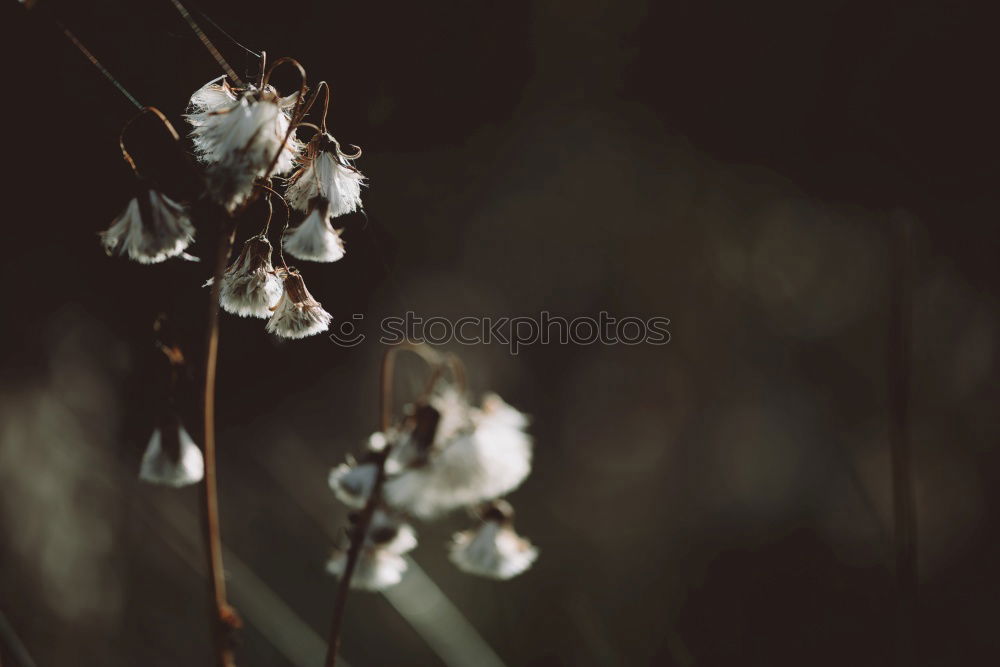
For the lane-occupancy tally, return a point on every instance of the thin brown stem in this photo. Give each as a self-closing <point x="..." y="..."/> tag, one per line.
<point x="222" y="617"/>
<point x="230" y="72"/>
<point x="450" y="363"/>
<point x="142" y="112"/>
<point x="359" y="530"/>
<point x="323" y="87"/>
<point x="270" y="209"/>
<point x="96" y="63"/>
<point x="297" y="113"/>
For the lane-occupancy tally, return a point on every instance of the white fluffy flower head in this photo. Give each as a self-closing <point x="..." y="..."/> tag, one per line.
<point x="376" y="569"/>
<point x="487" y="455"/>
<point x="297" y="314"/>
<point x="352" y="482"/>
<point x="151" y="229"/>
<point x="315" y="240"/>
<point x="380" y="561"/>
<point x="172" y="458"/>
<point x="326" y="172"/>
<point x="493" y="549"/>
<point x="250" y="286"/>
<point x="239" y="136"/>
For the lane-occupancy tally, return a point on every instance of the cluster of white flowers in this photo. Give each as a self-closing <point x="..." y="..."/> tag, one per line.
<point x="242" y="137"/>
<point x="447" y="455"/>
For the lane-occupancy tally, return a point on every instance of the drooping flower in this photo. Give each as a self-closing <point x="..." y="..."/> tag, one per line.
<point x="239" y="136"/>
<point x="327" y="173"/>
<point x="483" y="455"/>
<point x="151" y="229"/>
<point x="376" y="569"/>
<point x="493" y="549"/>
<point x="172" y="458"/>
<point x="250" y="286"/>
<point x="297" y="314"/>
<point x="391" y="533"/>
<point x="315" y="240"/>
<point x="352" y="482"/>
<point x="380" y="561"/>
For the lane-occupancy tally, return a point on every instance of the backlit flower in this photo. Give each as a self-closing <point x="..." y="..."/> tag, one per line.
<point x="493" y="549"/>
<point x="297" y="314"/>
<point x="326" y="172"/>
<point x="380" y="560"/>
<point x="239" y="136"/>
<point x="315" y="240"/>
<point x="151" y="229"/>
<point x="249" y="286"/>
<point x="487" y="455"/>
<point x="172" y="458"/>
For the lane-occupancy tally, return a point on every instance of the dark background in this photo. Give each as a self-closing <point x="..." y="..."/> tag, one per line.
<point x="720" y="500"/>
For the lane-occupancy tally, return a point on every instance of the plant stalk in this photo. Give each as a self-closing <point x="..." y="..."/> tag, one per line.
<point x="223" y="618"/>
<point x="359" y="531"/>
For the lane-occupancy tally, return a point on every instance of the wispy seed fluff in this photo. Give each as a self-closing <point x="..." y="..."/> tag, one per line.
<point x="172" y="458"/>
<point x="238" y="135"/>
<point x="352" y="482"/>
<point x="483" y="455"/>
<point x="493" y="549"/>
<point x="380" y="561"/>
<point x="297" y="314"/>
<point x="151" y="229"/>
<point x="249" y="286"/>
<point x="326" y="173"/>
<point x="315" y="240"/>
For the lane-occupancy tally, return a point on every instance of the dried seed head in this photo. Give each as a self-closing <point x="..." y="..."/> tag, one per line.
<point x="484" y="456"/>
<point x="298" y="314"/>
<point x="380" y="562"/>
<point x="492" y="550"/>
<point x="326" y="172"/>
<point x="353" y="482"/>
<point x="172" y="458"/>
<point x="238" y="137"/>
<point x="250" y="286"/>
<point x="151" y="229"/>
<point x="376" y="569"/>
<point x="315" y="240"/>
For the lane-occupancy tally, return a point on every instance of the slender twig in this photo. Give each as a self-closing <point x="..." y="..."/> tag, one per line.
<point x="359" y="531"/>
<point x="142" y="112"/>
<point x="903" y="502"/>
<point x="96" y="63"/>
<point x="297" y="113"/>
<point x="230" y="72"/>
<point x="223" y="617"/>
